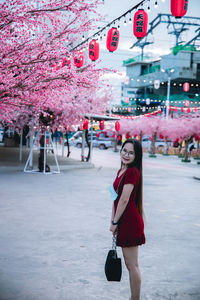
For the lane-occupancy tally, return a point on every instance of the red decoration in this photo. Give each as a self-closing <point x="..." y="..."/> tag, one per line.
<point x="170" y="108"/>
<point x="119" y="137"/>
<point x="196" y="137"/>
<point x="195" y="109"/>
<point x="93" y="50"/>
<point x="188" y="110"/>
<point x="55" y="67"/>
<point x="182" y="109"/>
<point x="175" y="108"/>
<point x="117" y="126"/>
<point x="140" y="23"/>
<point x="101" y="125"/>
<point x="78" y="59"/>
<point x="187" y="103"/>
<point x="154" y="113"/>
<point x="112" y="39"/>
<point x="81" y="127"/>
<point x="161" y="136"/>
<point x="127" y="136"/>
<point x="159" y="111"/>
<point x="66" y="62"/>
<point x="186" y="87"/>
<point x="179" y="8"/>
<point x="86" y="125"/>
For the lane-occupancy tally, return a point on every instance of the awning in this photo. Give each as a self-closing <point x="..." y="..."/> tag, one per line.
<point x="100" y="117"/>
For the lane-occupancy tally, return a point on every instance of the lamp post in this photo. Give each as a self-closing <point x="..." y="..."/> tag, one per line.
<point x="168" y="72"/>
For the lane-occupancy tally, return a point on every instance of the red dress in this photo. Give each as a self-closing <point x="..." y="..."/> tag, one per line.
<point x="131" y="225"/>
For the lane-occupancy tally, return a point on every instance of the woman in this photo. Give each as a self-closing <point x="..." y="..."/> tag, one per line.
<point x="127" y="212"/>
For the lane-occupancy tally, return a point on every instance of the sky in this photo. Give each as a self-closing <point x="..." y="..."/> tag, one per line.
<point x="162" y="41"/>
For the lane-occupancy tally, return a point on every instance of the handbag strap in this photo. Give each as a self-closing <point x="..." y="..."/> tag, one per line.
<point x="114" y="246"/>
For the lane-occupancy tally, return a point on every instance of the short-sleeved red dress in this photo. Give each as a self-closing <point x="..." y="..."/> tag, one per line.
<point x="131" y="225"/>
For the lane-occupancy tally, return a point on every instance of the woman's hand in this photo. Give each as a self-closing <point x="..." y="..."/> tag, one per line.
<point x="113" y="229"/>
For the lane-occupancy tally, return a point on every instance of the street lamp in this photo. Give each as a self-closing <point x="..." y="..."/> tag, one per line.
<point x="168" y="72"/>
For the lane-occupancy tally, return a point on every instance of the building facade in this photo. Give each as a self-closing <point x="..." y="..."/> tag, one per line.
<point x="146" y="85"/>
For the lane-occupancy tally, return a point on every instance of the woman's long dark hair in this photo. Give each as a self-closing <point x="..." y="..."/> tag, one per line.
<point x="138" y="164"/>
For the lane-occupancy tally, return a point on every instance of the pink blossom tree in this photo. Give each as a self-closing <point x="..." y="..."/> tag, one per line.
<point x="182" y="128"/>
<point x="35" y="74"/>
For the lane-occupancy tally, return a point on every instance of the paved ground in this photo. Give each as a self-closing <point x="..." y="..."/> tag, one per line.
<point x="54" y="231"/>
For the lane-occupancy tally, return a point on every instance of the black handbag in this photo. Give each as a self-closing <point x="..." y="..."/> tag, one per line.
<point x="113" y="265"/>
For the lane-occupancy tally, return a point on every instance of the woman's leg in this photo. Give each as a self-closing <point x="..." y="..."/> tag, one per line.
<point x="131" y="260"/>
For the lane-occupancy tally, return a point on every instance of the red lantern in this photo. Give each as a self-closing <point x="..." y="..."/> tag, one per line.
<point x="55" y="67"/>
<point x="188" y="110"/>
<point x="179" y="8"/>
<point x="182" y="109"/>
<point x="112" y="39"/>
<point x="78" y="59"/>
<point x="117" y="126"/>
<point x="186" y="87"/>
<point x="93" y="50"/>
<point x="66" y="62"/>
<point x="101" y="125"/>
<point x="86" y="125"/>
<point x="195" y="109"/>
<point x="140" y="23"/>
<point x="119" y="137"/>
<point x="154" y="113"/>
<point x="175" y="108"/>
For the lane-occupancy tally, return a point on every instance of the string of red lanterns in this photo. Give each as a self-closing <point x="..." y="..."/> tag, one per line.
<point x="140" y="25"/>
<point x="174" y="108"/>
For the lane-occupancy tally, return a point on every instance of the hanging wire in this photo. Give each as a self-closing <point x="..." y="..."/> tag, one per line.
<point x="111" y="23"/>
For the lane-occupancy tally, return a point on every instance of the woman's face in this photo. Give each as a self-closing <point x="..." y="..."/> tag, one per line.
<point x="127" y="154"/>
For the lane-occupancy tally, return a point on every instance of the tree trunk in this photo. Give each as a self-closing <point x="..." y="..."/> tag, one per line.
<point x="167" y="146"/>
<point x="141" y="136"/>
<point x="153" y="147"/>
<point x="180" y="148"/>
<point x="198" y="156"/>
<point x="115" y="144"/>
<point x="88" y="143"/>
<point x="186" y="150"/>
<point x="68" y="147"/>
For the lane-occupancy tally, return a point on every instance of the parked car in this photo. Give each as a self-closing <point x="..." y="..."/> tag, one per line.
<point x="100" y="143"/>
<point x="77" y="137"/>
<point x="159" y="143"/>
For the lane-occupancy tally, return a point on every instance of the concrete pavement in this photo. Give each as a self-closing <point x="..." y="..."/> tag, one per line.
<point x="54" y="231"/>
